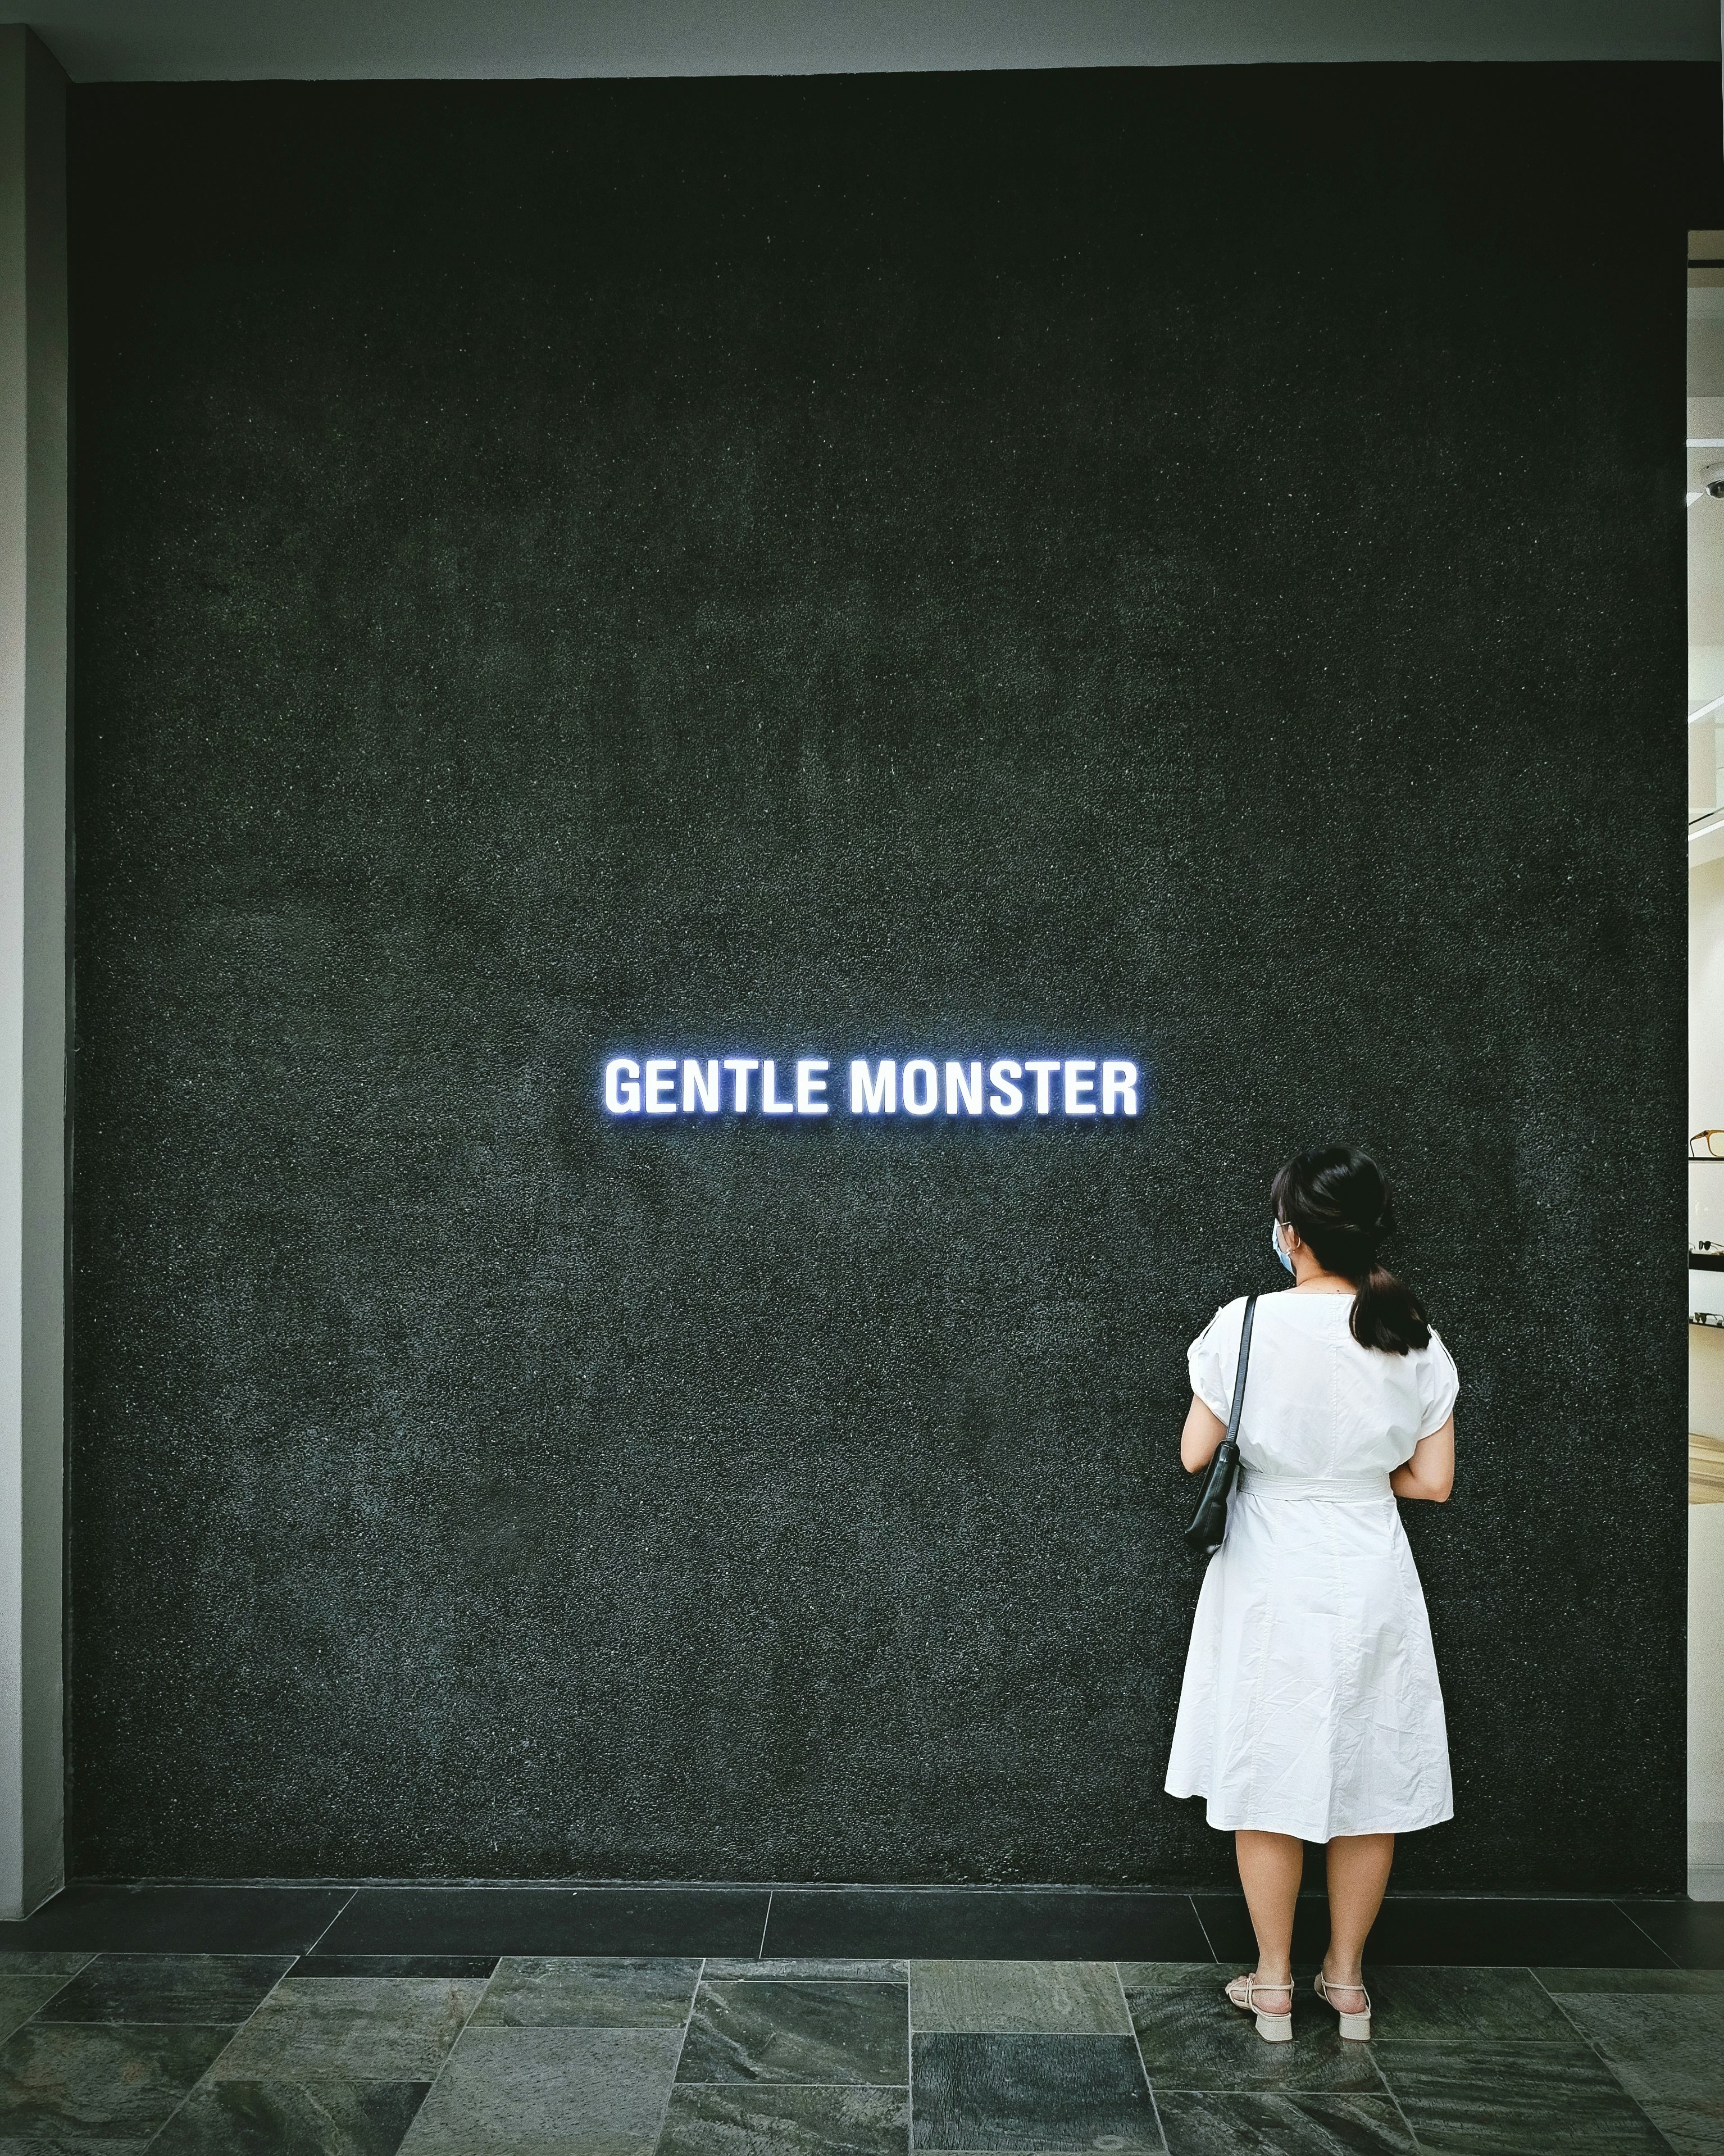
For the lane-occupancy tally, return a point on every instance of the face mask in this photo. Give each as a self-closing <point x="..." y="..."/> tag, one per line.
<point x="1274" y="1244"/>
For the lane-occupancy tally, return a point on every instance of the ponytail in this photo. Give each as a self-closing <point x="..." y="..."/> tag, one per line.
<point x="1387" y="1315"/>
<point x="1341" y="1206"/>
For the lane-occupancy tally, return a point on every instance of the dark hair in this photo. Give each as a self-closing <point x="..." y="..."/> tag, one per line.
<point x="1341" y="1206"/>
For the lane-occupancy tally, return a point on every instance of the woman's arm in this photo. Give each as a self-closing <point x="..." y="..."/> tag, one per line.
<point x="1430" y="1472"/>
<point x="1202" y="1432"/>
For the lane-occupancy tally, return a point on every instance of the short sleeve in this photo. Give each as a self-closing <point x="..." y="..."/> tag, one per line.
<point x="1439" y="1385"/>
<point x="1210" y="1380"/>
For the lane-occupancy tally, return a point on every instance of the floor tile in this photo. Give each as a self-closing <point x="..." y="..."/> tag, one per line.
<point x="1494" y="1933"/>
<point x="350" y="2028"/>
<point x="1192" y="2039"/>
<point x="814" y="2031"/>
<point x="1031" y="2093"/>
<point x="291" y="2119"/>
<point x="1480" y="2098"/>
<point x="588" y="1993"/>
<point x="550" y="1920"/>
<point x="180" y="1919"/>
<point x="739" y="1967"/>
<point x="774" y="2119"/>
<point x="1692" y="2129"/>
<point x="1675" y="1983"/>
<point x="208" y="1990"/>
<point x="1690" y="1933"/>
<point x="71" y="2087"/>
<point x="548" y="2092"/>
<point x="1197" y="2125"/>
<point x="1659" y="2048"/>
<point x="22" y="1997"/>
<point x="1004" y="1923"/>
<point x="1019" y="1997"/>
<point x="459" y="1965"/>
<point x="1431" y="2005"/>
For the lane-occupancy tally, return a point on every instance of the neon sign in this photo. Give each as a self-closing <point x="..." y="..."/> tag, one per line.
<point x="1005" y="1087"/>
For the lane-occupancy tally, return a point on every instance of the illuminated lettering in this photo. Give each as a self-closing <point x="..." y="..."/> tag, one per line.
<point x="1042" y="1072"/>
<point x="873" y="1096"/>
<point x="656" y="1085"/>
<point x="811" y="1086"/>
<point x="661" y="1072"/>
<point x="621" y="1086"/>
<point x="1007" y="1098"/>
<point x="921" y="1087"/>
<point x="739" y="1067"/>
<point x="963" y="1087"/>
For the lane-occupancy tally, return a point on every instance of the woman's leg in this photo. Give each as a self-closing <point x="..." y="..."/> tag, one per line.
<point x="1270" y="1866"/>
<point x="1358" y="1873"/>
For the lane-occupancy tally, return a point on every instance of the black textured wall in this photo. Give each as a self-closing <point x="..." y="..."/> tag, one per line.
<point x="1190" y="562"/>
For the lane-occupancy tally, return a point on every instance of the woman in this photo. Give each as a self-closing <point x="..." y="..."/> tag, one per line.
<point x="1310" y="1709"/>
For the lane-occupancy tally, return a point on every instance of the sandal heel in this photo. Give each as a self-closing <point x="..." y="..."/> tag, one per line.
<point x="1273" y="2028"/>
<point x="1355" y="2028"/>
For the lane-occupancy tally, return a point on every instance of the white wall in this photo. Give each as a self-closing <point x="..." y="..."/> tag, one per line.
<point x="34" y="563"/>
<point x="1706" y="1392"/>
<point x="1705" y="1713"/>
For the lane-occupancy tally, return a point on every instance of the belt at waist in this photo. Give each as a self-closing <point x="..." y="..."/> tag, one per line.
<point x="1338" y="1489"/>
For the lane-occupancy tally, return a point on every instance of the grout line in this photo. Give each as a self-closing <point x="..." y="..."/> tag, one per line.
<point x="688" y="2016"/>
<point x="909" y="2055"/>
<point x="1645" y="1934"/>
<point x="682" y="2042"/>
<point x="1053" y="2036"/>
<point x="1192" y="1900"/>
<point x="681" y="2046"/>
<point x="1391" y="2092"/>
<point x="231" y="2027"/>
<point x="1395" y="2106"/>
<point x="759" y="1952"/>
<point x="1138" y="2047"/>
<point x="331" y="1924"/>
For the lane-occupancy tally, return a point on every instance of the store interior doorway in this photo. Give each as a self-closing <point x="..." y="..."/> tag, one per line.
<point x="1706" y="1065"/>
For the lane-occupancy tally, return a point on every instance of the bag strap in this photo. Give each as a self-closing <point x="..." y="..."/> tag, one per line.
<point x="1239" y="1375"/>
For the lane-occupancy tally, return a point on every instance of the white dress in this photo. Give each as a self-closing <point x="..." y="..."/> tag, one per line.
<point x="1311" y="1705"/>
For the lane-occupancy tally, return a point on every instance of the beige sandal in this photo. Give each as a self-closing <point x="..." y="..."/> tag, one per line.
<point x="1356" y="2028"/>
<point x="1273" y="2028"/>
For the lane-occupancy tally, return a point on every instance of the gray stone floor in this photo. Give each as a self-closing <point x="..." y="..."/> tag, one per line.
<point x="242" y="2054"/>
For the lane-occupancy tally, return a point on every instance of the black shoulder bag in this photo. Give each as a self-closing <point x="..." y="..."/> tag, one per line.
<point x="1209" y="1523"/>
